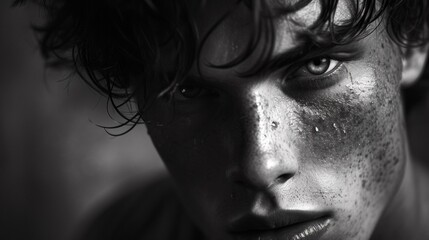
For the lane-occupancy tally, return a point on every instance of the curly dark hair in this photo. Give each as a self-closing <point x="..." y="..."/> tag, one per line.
<point x="110" y="42"/>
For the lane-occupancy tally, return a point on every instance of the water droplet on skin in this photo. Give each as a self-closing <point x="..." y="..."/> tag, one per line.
<point x="336" y="127"/>
<point x="274" y="125"/>
<point x="316" y="129"/>
<point x="351" y="78"/>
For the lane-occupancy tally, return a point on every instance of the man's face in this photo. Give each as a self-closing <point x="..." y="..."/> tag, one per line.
<point x="322" y="147"/>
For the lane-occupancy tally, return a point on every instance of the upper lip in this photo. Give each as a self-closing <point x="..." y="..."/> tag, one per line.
<point x="272" y="221"/>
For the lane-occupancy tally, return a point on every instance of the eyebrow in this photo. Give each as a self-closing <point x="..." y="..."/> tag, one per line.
<point x="281" y="8"/>
<point x="308" y="42"/>
<point x="308" y="47"/>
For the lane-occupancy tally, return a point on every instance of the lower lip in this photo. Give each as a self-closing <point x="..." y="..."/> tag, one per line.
<point x="312" y="230"/>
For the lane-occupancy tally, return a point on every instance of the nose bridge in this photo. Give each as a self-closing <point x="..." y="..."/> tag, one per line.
<point x="266" y="156"/>
<point x="259" y="122"/>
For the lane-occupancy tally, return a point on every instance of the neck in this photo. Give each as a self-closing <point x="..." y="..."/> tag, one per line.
<point x="405" y="216"/>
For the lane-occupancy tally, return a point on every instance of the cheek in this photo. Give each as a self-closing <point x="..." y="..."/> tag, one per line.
<point x="196" y="154"/>
<point x="194" y="149"/>
<point x="355" y="133"/>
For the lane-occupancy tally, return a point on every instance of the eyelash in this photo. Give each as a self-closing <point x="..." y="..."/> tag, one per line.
<point x="200" y="92"/>
<point x="302" y="79"/>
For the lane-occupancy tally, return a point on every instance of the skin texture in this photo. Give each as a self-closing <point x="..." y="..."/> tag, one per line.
<point x="260" y="144"/>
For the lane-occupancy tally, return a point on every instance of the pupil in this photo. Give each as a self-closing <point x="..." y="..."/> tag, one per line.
<point x="318" y="62"/>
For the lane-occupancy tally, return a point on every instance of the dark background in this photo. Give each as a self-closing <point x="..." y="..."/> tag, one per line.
<point x="56" y="167"/>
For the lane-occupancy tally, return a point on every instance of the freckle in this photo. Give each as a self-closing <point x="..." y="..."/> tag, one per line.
<point x="363" y="183"/>
<point x="382" y="46"/>
<point x="396" y="160"/>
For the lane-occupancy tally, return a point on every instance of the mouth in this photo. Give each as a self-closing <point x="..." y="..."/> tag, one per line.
<point x="282" y="224"/>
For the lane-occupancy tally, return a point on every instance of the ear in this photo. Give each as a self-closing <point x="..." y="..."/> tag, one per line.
<point x="413" y="64"/>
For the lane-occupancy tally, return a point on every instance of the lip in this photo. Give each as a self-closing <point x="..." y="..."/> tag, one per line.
<point x="281" y="224"/>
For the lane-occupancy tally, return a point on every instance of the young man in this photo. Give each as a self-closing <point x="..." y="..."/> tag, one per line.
<point x="277" y="119"/>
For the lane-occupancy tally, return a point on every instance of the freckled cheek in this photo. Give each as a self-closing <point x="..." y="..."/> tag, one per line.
<point x="357" y="144"/>
<point x="335" y="126"/>
<point x="348" y="126"/>
<point x="358" y="134"/>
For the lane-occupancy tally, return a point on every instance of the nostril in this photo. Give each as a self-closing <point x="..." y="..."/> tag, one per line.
<point x="283" y="178"/>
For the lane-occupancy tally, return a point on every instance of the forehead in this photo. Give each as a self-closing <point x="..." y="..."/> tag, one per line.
<point x="231" y="36"/>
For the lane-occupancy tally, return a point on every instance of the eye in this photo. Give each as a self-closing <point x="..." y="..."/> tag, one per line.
<point x="194" y="99"/>
<point x="189" y="91"/>
<point x="320" y="66"/>
<point x="318" y="73"/>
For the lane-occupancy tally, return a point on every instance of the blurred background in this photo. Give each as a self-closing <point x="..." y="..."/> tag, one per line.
<point x="56" y="166"/>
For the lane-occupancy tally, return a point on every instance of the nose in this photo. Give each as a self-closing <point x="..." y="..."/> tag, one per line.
<point x="266" y="154"/>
